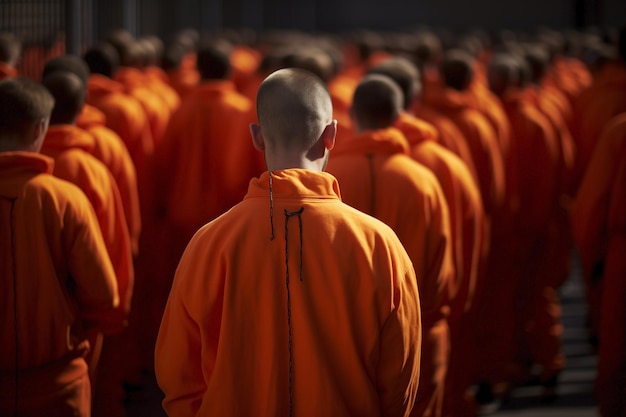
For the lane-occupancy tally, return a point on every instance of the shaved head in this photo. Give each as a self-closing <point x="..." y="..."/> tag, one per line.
<point x="294" y="108"/>
<point x="10" y="48"/>
<point x="404" y="73"/>
<point x="376" y="103"/>
<point x="69" y="96"/>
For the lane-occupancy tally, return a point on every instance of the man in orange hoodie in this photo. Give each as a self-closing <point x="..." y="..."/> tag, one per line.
<point x="311" y="309"/>
<point x="58" y="284"/>
<point x="69" y="146"/>
<point x="378" y="177"/>
<point x="611" y="377"/>
<point x="467" y="223"/>
<point x="107" y="147"/>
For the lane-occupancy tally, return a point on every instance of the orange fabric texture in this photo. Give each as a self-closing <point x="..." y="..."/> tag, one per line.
<point x="126" y="117"/>
<point x="481" y="139"/>
<point x="51" y="314"/>
<point x="112" y="152"/>
<point x="157" y="110"/>
<point x="591" y="207"/>
<point x="378" y="177"/>
<point x="69" y="146"/>
<point x="325" y="294"/>
<point x="611" y="377"/>
<point x="207" y="157"/>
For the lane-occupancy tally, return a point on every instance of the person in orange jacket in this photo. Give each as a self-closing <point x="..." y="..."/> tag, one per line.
<point x="58" y="284"/>
<point x="292" y="302"/>
<point x="379" y="177"/>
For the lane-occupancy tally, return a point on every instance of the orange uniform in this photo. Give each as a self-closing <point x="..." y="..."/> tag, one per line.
<point x="481" y="138"/>
<point x="156" y="109"/>
<point x="296" y="303"/>
<point x="69" y="147"/>
<point x="611" y="355"/>
<point x="591" y="208"/>
<point x="378" y="177"/>
<point x="207" y="159"/>
<point x="109" y="149"/>
<point x="448" y="134"/>
<point x="467" y="221"/>
<point x="126" y="117"/>
<point x="536" y="151"/>
<point x="594" y="110"/>
<point x="58" y="285"/>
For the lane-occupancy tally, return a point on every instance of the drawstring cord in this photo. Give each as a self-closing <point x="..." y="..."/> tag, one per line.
<point x="288" y="215"/>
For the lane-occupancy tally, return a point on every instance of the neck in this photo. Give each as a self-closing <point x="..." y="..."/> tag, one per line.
<point x="294" y="162"/>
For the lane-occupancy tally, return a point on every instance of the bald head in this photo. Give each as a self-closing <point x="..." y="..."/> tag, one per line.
<point x="25" y="107"/>
<point x="376" y="103"/>
<point x="293" y="107"/>
<point x="69" y="95"/>
<point x="405" y="74"/>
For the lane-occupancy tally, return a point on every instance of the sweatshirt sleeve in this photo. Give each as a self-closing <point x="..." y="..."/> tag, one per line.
<point x="400" y="346"/>
<point x="90" y="268"/>
<point x="178" y="350"/>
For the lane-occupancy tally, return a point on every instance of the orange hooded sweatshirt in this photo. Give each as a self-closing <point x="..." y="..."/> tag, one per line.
<point x="69" y="147"/>
<point x="378" y="177"/>
<point x="57" y="286"/>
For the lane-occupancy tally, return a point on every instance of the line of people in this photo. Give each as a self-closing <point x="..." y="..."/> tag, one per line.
<point x="489" y="161"/>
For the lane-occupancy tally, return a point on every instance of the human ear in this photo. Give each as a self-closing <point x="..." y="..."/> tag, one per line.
<point x="257" y="137"/>
<point x="330" y="134"/>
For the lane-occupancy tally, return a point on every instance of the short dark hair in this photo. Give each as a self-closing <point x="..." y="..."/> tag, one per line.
<point x="102" y="59"/>
<point x="69" y="94"/>
<point x="70" y="63"/>
<point x="213" y="59"/>
<point x="23" y="102"/>
<point x="377" y="102"/>
<point x="404" y="73"/>
<point x="457" y="70"/>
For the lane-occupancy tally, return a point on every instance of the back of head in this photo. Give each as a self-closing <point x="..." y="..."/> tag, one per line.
<point x="405" y="74"/>
<point x="67" y="63"/>
<point x="427" y="49"/>
<point x="457" y="69"/>
<point x="376" y="103"/>
<point x="10" y="48"/>
<point x="312" y="59"/>
<point x="23" y="104"/>
<point x="538" y="60"/>
<point x="172" y="56"/>
<point x="102" y="59"/>
<point x="503" y="73"/>
<point x="129" y="51"/>
<point x="293" y="108"/>
<point x="213" y="59"/>
<point x="69" y="96"/>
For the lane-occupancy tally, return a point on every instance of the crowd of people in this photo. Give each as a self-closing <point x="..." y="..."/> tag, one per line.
<point x="287" y="223"/>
